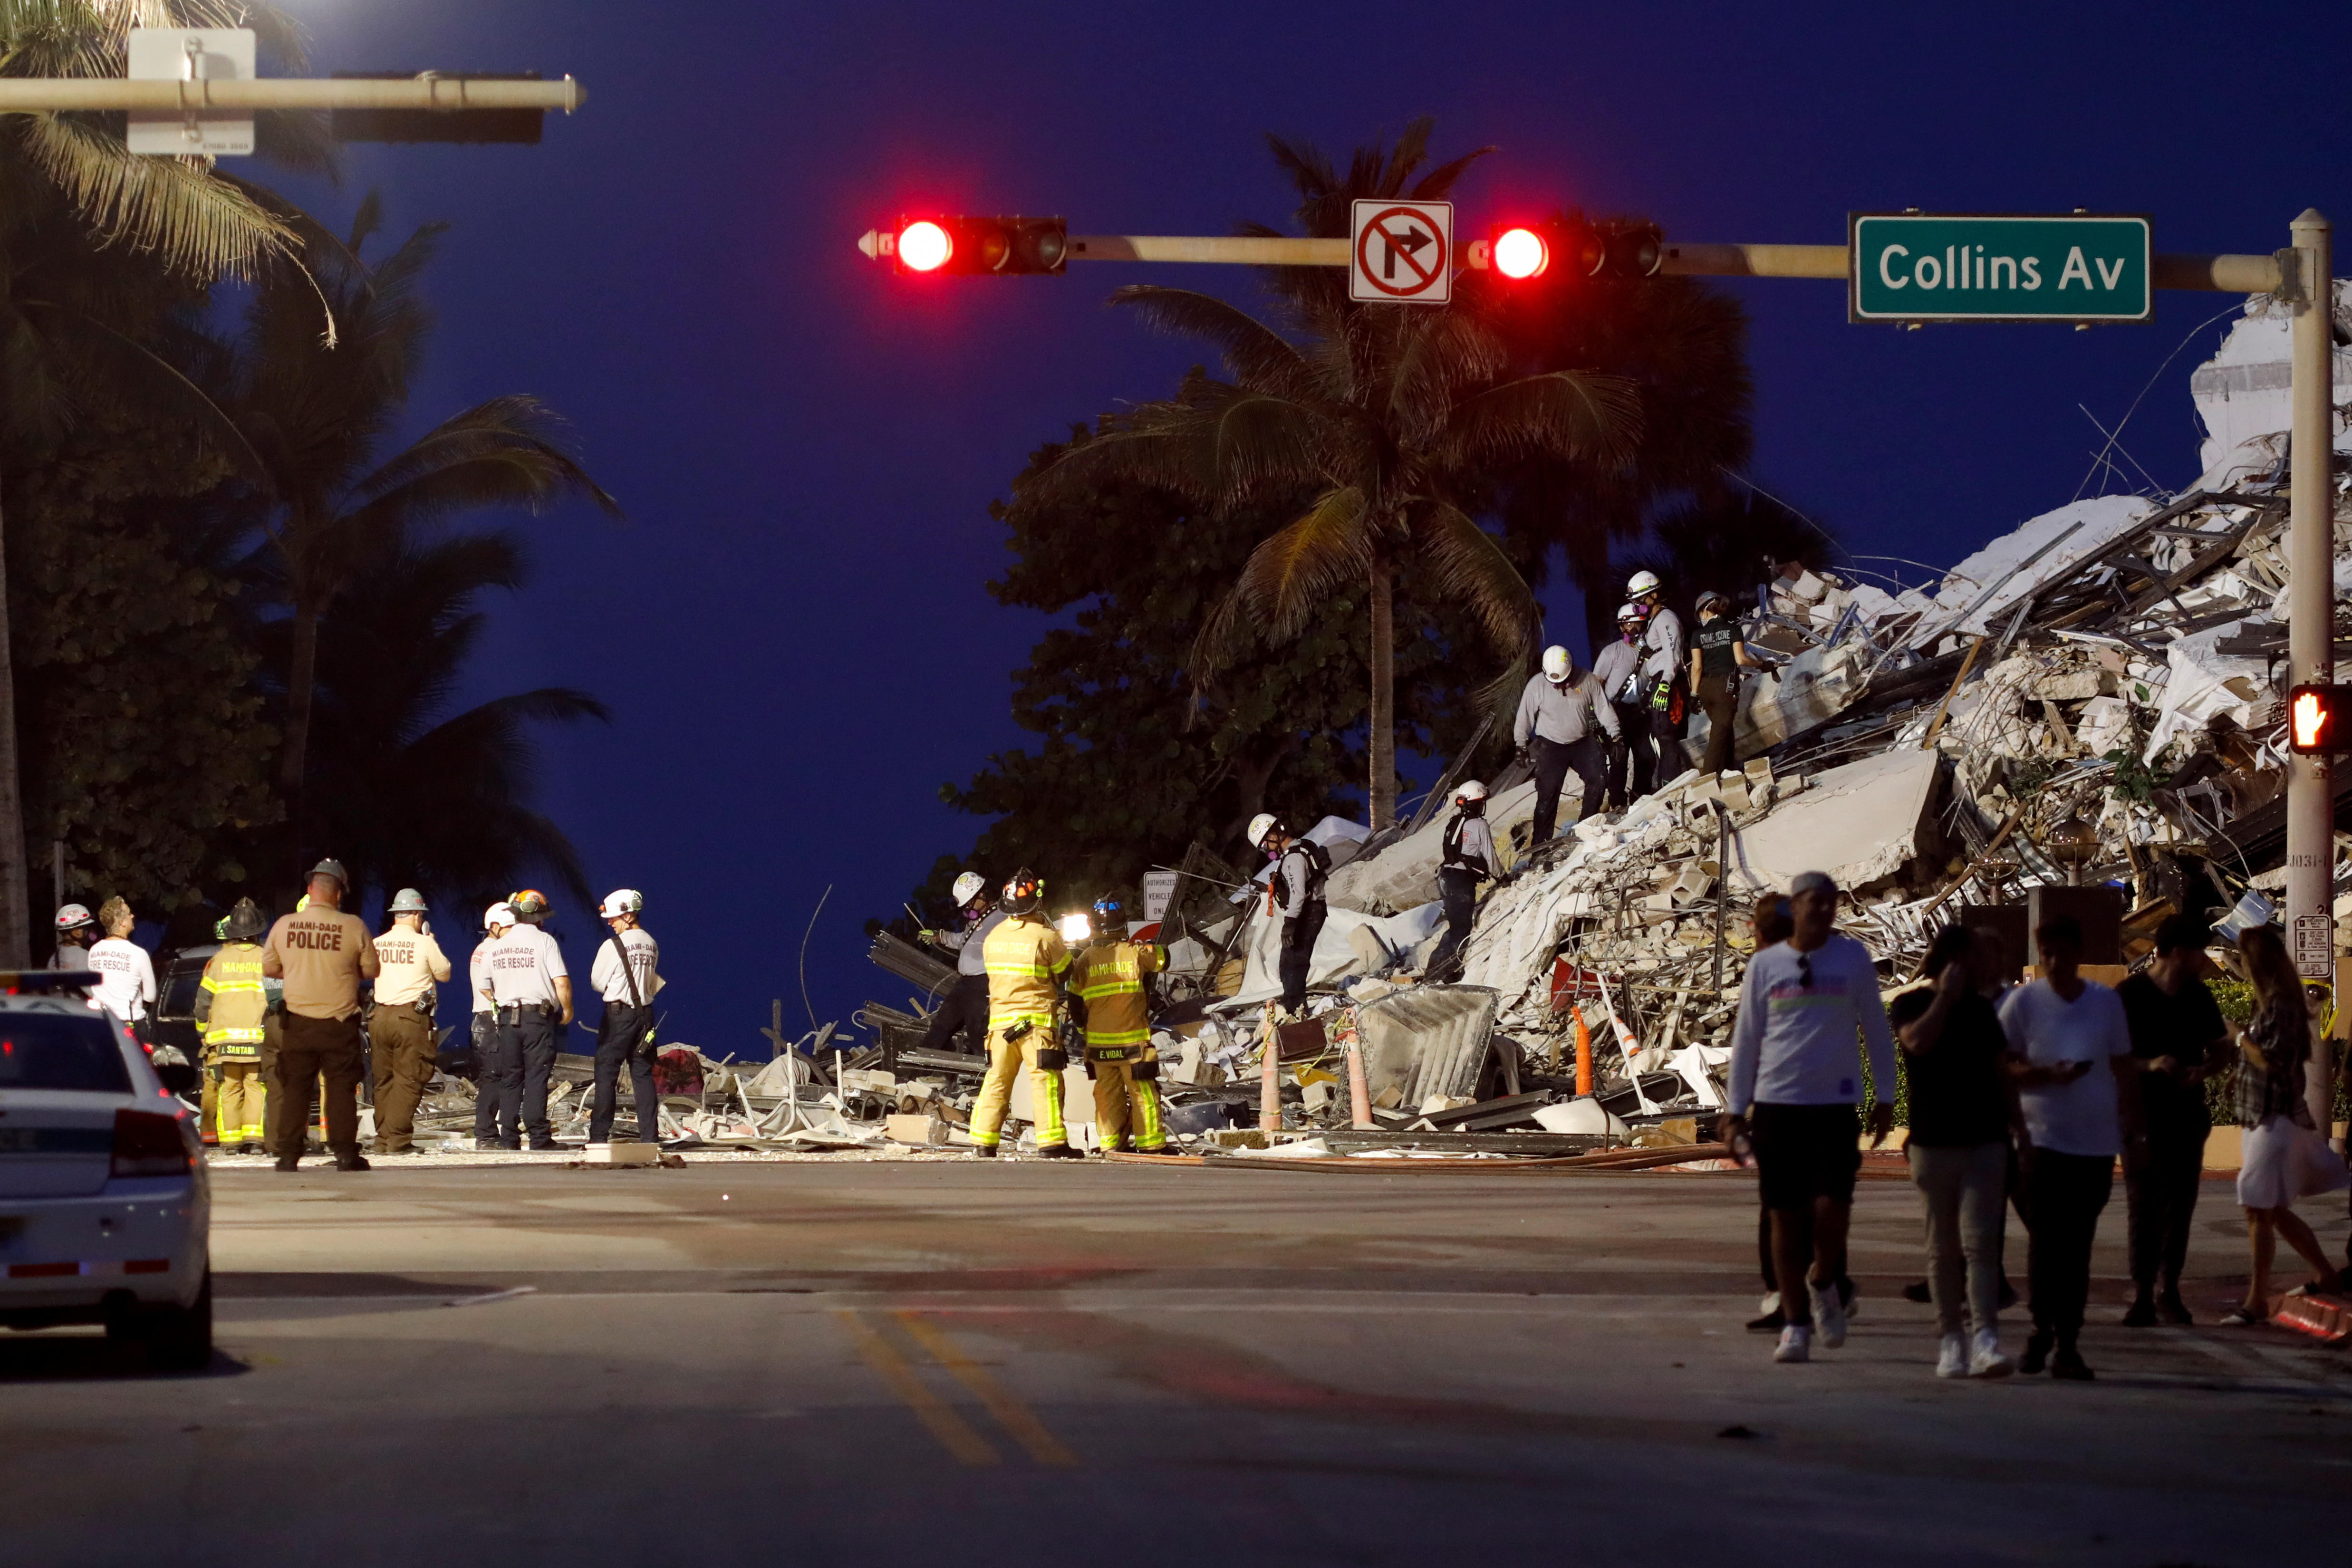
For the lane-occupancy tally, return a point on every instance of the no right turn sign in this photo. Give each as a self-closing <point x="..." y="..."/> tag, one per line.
<point x="1403" y="254"/>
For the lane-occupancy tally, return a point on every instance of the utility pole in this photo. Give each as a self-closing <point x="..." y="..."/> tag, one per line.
<point x="2308" y="284"/>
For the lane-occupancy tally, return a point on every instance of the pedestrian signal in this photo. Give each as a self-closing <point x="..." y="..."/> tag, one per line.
<point x="2319" y="720"/>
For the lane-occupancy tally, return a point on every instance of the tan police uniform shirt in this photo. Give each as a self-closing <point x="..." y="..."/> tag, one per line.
<point x="323" y="954"/>
<point x="411" y="961"/>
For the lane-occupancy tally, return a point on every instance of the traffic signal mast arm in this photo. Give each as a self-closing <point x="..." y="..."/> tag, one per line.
<point x="430" y="90"/>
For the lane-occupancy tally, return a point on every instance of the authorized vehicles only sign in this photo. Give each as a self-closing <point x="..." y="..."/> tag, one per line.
<point x="1914" y="266"/>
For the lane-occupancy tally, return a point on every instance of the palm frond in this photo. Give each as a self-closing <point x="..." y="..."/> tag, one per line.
<point x="1258" y="357"/>
<point x="505" y="452"/>
<point x="1439" y="182"/>
<point x="1293" y="571"/>
<point x="170" y="208"/>
<point x="1465" y="563"/>
<point x="111" y="354"/>
<point x="1562" y="413"/>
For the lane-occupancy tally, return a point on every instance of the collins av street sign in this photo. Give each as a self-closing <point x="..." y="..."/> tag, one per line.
<point x="1913" y="266"/>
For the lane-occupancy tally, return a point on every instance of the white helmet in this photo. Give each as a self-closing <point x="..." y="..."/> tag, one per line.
<point x="968" y="886"/>
<point x="1471" y="789"/>
<point x="498" y="914"/>
<point x="1628" y="611"/>
<point x="1260" y="825"/>
<point x="73" y="917"/>
<point x="1556" y="664"/>
<point x="1642" y="582"/>
<point x="622" y="901"/>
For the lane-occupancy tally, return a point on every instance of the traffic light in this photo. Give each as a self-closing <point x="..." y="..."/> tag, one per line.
<point x="2319" y="720"/>
<point x="1573" y="247"/>
<point x="1005" y="246"/>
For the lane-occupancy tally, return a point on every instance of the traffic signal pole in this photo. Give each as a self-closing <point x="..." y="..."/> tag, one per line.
<point x="58" y="95"/>
<point x="2311" y="618"/>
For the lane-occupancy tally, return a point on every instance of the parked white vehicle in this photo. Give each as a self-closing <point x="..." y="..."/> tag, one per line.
<point x="105" y="1214"/>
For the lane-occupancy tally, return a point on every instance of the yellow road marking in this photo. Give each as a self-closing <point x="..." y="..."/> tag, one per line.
<point x="1011" y="1413"/>
<point x="955" y="1434"/>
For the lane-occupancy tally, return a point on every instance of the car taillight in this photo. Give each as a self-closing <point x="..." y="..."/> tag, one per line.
<point x="150" y="1144"/>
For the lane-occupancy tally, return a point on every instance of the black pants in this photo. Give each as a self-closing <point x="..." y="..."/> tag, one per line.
<point x="1718" y="698"/>
<point x="1297" y="955"/>
<point x="2066" y="1192"/>
<point x="535" y="1041"/>
<point x="1458" y="885"/>
<point x="962" y="1016"/>
<point x="308" y="1049"/>
<point x="2161" y="1196"/>
<point x="620" y="1040"/>
<point x="1632" y="759"/>
<point x="498" y="1090"/>
<point x="1666" y="734"/>
<point x="1554" y="760"/>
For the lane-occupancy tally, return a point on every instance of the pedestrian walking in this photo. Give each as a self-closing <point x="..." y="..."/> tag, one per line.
<point x="1957" y="1146"/>
<point x="126" y="975"/>
<point x="2179" y="1040"/>
<point x="2285" y="1157"/>
<point x="626" y="975"/>
<point x="1809" y="1010"/>
<point x="963" y="1012"/>
<point x="1295" y="893"/>
<point x="2066" y="1036"/>
<point x="532" y="991"/>
<point x="1557" y="714"/>
<point x="1717" y="655"/>
<point x="232" y="1010"/>
<point x="401" y="1030"/>
<point x="323" y="954"/>
<point x="1629" y="762"/>
<point x="1026" y="962"/>
<point x="1466" y="858"/>
<point x="76" y="932"/>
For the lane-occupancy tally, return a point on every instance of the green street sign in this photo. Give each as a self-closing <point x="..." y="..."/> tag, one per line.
<point x="1937" y="267"/>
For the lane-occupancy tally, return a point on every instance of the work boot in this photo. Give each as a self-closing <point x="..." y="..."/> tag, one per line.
<point x="983" y="1151"/>
<point x="288" y="1162"/>
<point x="2171" y="1309"/>
<point x="1161" y="1149"/>
<point x="353" y="1161"/>
<point x="1059" y="1152"/>
<point x="2069" y="1364"/>
<point x="2141" y="1314"/>
<point x="2037" y="1352"/>
<point x="486" y="1145"/>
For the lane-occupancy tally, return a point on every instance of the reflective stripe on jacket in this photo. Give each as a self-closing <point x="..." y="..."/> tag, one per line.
<point x="235" y="1001"/>
<point x="1109" y="976"/>
<point x="1026" y="957"/>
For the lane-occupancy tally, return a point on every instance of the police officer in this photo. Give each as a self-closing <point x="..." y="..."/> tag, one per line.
<point x="533" y="993"/>
<point x="626" y="973"/>
<point x="965" y="1009"/>
<point x="1296" y="893"/>
<point x="1663" y="652"/>
<point x="401" y="1029"/>
<point x="323" y="954"/>
<point x="498" y="1086"/>
<point x="1111" y="979"/>
<point x="1717" y="655"/>
<point x="1465" y="859"/>
<point x="1554" y="727"/>
<point x="1632" y="759"/>
<point x="1026" y="960"/>
<point x="76" y="931"/>
<point x="232" y="1010"/>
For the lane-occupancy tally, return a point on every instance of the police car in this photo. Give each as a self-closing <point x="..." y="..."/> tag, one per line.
<point x="105" y="1214"/>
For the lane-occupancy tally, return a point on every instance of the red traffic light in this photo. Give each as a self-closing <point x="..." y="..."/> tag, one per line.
<point x="1521" y="252"/>
<point x="924" y="246"/>
<point x="2319" y="720"/>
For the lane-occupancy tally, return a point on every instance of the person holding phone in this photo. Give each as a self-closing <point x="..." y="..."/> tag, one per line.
<point x="2066" y="1036"/>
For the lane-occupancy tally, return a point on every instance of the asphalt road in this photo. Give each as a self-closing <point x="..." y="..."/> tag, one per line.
<point x="939" y="1362"/>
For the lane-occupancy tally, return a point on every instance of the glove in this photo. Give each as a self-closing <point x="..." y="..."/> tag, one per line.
<point x="930" y="936"/>
<point x="1523" y="757"/>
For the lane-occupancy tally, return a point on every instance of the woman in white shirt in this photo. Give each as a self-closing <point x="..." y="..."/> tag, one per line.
<point x="2065" y="1034"/>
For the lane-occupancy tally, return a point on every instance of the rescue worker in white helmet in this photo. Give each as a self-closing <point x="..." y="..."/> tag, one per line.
<point x="1296" y="893"/>
<point x="533" y="993"/>
<point x="401" y="1032"/>
<point x="1026" y="961"/>
<point x="1111" y="982"/>
<point x="962" y="1020"/>
<point x="76" y="932"/>
<point x="1718" y="653"/>
<point x="232" y="1011"/>
<point x="498" y="1081"/>
<point x="1466" y="858"/>
<point x="1554" y="724"/>
<point x="627" y="974"/>
<point x="1631" y="759"/>
<point x="1662" y="656"/>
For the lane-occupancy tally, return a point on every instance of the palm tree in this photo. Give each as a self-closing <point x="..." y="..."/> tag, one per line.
<point x="1388" y="416"/>
<point x="58" y="353"/>
<point x="316" y="417"/>
<point x="410" y="794"/>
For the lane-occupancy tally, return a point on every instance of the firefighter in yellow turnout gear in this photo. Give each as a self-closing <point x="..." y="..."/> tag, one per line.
<point x="1108" y="978"/>
<point x="1026" y="959"/>
<point x="231" y="1005"/>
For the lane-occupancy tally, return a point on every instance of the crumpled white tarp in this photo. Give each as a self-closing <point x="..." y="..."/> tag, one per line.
<point x="2204" y="683"/>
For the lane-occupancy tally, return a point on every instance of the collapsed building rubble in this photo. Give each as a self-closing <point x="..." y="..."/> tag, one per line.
<point x="2092" y="699"/>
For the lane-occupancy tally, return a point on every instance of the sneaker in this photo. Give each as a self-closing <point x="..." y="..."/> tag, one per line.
<point x="1829" y="1313"/>
<point x="1985" y="1359"/>
<point x="1772" y="1322"/>
<point x="1952" y="1358"/>
<point x="1796" y="1344"/>
<point x="354" y="1161"/>
<point x="1849" y="1297"/>
<point x="1770" y="1303"/>
<point x="2037" y="1352"/>
<point x="2069" y="1364"/>
<point x="2140" y="1314"/>
<point x="2171" y="1309"/>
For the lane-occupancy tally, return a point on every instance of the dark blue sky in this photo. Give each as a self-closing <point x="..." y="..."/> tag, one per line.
<point x="793" y="632"/>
